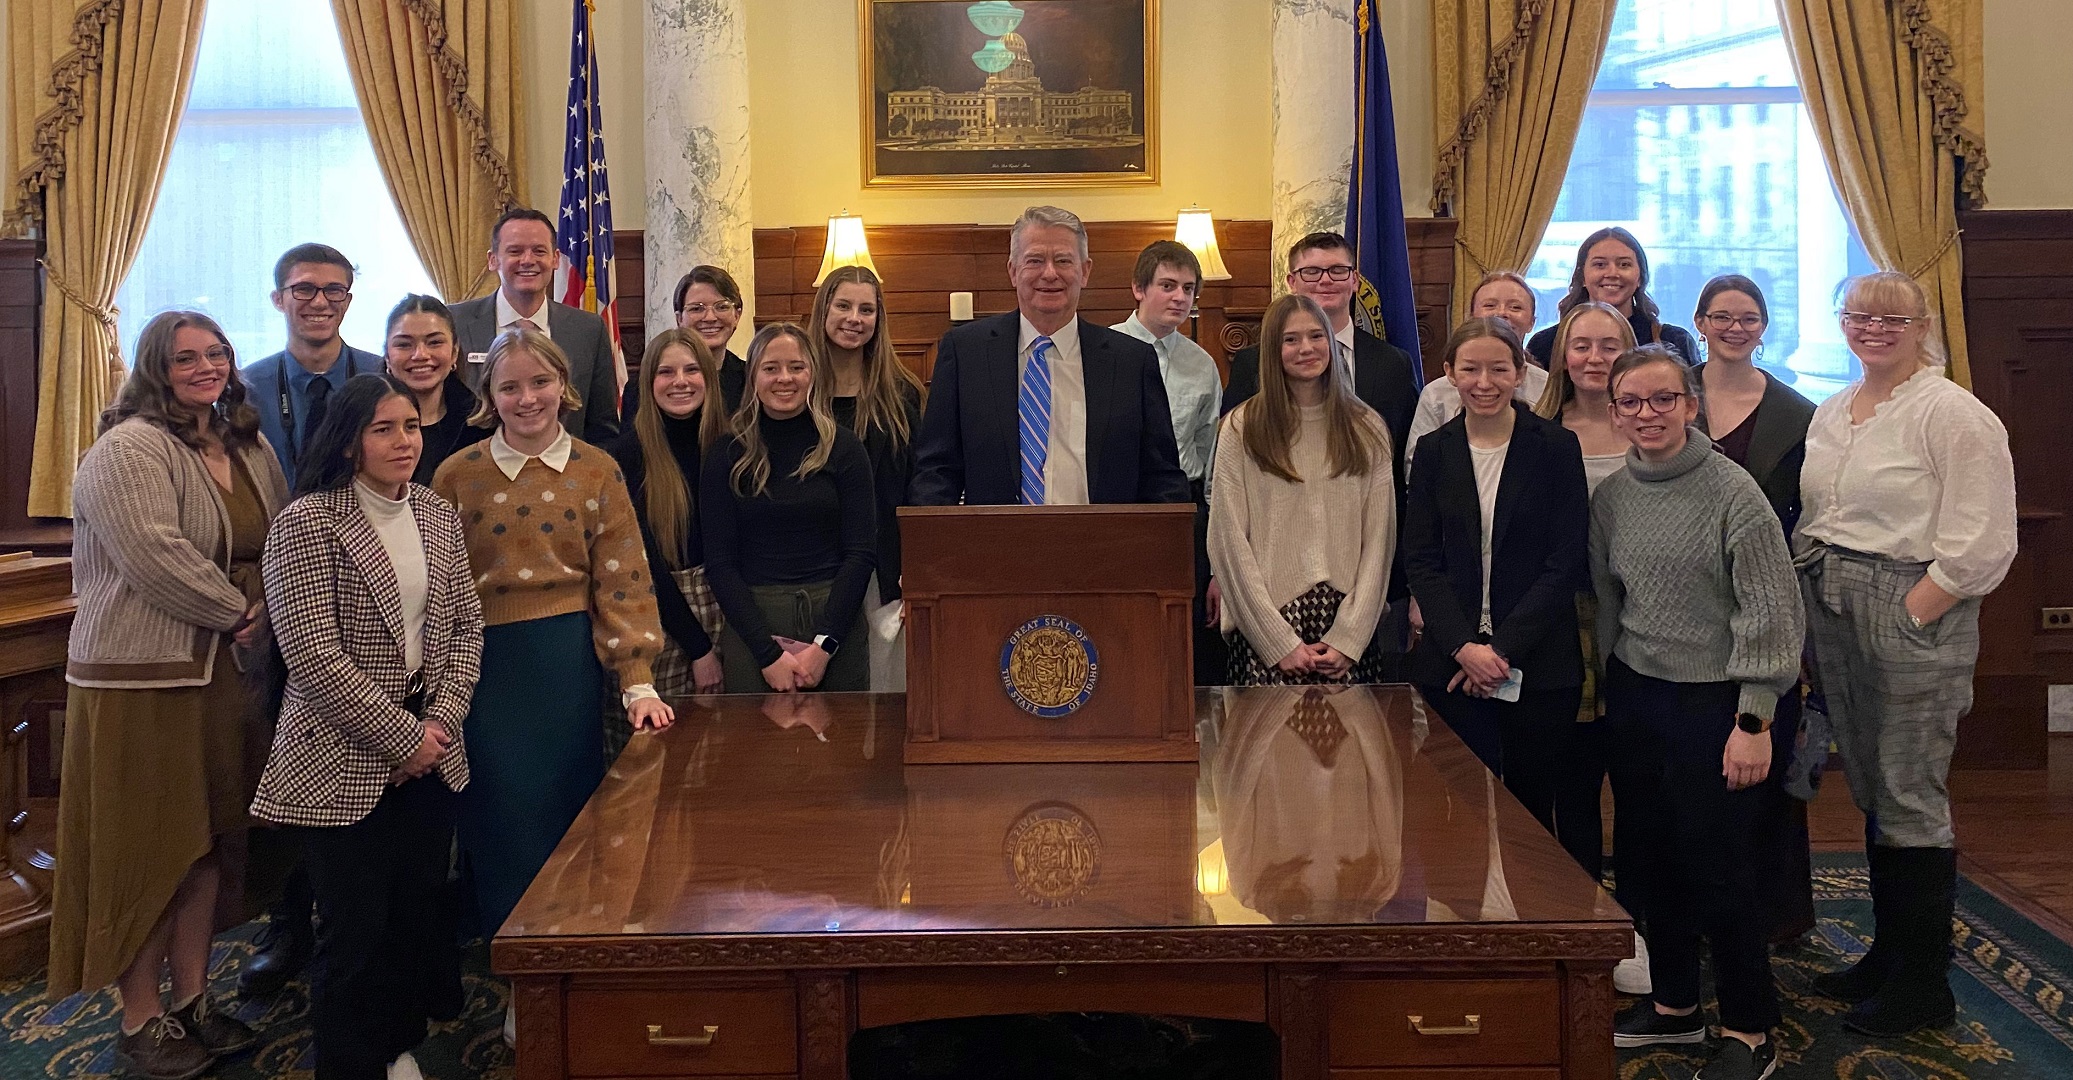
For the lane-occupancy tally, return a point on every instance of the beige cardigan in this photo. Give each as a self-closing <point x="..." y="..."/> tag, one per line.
<point x="150" y="559"/>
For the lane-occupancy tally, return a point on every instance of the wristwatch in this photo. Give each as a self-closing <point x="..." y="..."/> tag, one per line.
<point x="1752" y="723"/>
<point x="827" y="643"/>
<point x="1917" y="620"/>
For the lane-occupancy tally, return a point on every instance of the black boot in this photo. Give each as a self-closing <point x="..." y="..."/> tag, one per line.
<point x="1861" y="980"/>
<point x="1917" y="994"/>
<point x="286" y="941"/>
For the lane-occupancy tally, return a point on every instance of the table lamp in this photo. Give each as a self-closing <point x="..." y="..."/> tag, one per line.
<point x="846" y="246"/>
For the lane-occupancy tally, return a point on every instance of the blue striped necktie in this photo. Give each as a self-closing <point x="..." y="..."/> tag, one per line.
<point x="1033" y="412"/>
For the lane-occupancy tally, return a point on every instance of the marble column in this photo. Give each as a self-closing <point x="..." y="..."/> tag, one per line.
<point x="697" y="132"/>
<point x="1313" y="117"/>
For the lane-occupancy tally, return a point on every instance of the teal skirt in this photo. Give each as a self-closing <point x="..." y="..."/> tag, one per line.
<point x="535" y="754"/>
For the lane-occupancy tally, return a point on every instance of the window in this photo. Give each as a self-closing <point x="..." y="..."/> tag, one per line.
<point x="1692" y="89"/>
<point x="271" y="153"/>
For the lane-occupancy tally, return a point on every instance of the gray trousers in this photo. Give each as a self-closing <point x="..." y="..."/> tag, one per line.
<point x="1894" y="693"/>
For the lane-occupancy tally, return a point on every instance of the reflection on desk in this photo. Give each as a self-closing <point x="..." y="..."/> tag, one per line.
<point x="793" y="814"/>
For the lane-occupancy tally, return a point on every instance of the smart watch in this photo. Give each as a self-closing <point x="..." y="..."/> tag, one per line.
<point x="827" y="643"/>
<point x="1752" y="723"/>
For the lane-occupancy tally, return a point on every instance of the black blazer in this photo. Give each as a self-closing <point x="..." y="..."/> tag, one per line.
<point x="1778" y="446"/>
<point x="968" y="449"/>
<point x="1537" y="561"/>
<point x="1382" y="377"/>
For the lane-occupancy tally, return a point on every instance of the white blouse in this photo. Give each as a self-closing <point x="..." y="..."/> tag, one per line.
<point x="1927" y="478"/>
<point x="1440" y="402"/>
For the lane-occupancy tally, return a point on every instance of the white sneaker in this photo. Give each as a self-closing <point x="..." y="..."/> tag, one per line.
<point x="1630" y="976"/>
<point x="511" y="1025"/>
<point x="405" y="1068"/>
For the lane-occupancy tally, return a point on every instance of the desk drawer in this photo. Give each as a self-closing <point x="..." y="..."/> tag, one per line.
<point x="608" y="1032"/>
<point x="1518" y="1022"/>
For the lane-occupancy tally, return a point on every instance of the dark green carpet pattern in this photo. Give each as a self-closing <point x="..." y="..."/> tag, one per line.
<point x="2012" y="981"/>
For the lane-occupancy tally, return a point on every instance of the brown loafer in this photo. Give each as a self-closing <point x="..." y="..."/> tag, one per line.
<point x="163" y="1049"/>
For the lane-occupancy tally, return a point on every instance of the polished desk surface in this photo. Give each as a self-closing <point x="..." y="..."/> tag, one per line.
<point x="1320" y="822"/>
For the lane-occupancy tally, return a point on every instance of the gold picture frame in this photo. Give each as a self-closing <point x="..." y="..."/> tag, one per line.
<point x="984" y="110"/>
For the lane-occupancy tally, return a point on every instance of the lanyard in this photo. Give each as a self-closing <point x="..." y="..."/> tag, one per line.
<point x="287" y="409"/>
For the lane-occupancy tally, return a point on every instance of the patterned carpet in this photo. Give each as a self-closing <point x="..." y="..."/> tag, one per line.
<point x="2014" y="1022"/>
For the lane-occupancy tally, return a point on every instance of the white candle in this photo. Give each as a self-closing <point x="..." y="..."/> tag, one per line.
<point x="960" y="307"/>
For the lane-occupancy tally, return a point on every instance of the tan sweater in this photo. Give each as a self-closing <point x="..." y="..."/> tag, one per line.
<point x="552" y="543"/>
<point x="1271" y="541"/>
<point x="149" y="559"/>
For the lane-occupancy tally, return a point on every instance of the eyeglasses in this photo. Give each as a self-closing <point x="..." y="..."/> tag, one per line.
<point x="307" y="291"/>
<point x="699" y="311"/>
<point x="219" y="354"/>
<point x="1721" y="320"/>
<point x="1340" y="272"/>
<point x="1659" y="403"/>
<point x="1858" y="320"/>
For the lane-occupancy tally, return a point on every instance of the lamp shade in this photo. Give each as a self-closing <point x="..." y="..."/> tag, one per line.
<point x="1197" y="232"/>
<point x="846" y="246"/>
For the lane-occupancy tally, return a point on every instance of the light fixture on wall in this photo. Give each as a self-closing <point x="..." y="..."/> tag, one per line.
<point x="1196" y="231"/>
<point x="846" y="246"/>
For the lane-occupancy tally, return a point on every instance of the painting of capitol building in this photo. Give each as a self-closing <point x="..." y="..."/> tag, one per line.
<point x="998" y="93"/>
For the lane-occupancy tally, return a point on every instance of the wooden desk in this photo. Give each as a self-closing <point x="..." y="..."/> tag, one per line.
<point x="36" y="606"/>
<point x="752" y="886"/>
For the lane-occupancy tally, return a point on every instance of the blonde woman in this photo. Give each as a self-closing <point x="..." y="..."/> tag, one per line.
<point x="1303" y="528"/>
<point x="790" y="530"/>
<point x="565" y="591"/>
<point x="1908" y="520"/>
<point x="873" y="395"/>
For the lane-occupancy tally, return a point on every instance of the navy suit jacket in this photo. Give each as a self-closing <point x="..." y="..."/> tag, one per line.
<point x="969" y="449"/>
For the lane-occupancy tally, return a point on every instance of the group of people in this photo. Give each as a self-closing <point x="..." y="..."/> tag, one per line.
<point x="435" y="589"/>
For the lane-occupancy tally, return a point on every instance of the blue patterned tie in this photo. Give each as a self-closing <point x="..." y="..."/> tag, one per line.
<point x="1033" y="410"/>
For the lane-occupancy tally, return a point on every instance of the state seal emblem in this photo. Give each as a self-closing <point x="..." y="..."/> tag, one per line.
<point x="1049" y="666"/>
<point x="1053" y="854"/>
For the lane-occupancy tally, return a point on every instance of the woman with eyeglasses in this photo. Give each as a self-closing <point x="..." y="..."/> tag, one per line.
<point x="421" y="354"/>
<point x="1909" y="520"/>
<point x="171" y="508"/>
<point x="708" y="303"/>
<point x="1761" y="424"/>
<point x="1612" y="268"/>
<point x="1700" y="625"/>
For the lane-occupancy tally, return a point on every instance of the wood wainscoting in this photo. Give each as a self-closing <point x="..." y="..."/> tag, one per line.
<point x="924" y="264"/>
<point x="2019" y="329"/>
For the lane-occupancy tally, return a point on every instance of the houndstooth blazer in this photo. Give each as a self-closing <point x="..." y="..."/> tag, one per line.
<point x="332" y="596"/>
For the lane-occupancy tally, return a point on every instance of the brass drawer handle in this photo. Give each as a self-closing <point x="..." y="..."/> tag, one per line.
<point x="696" y="1042"/>
<point x="1472" y="1024"/>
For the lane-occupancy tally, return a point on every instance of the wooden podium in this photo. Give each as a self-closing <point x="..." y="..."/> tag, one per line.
<point x="1049" y="633"/>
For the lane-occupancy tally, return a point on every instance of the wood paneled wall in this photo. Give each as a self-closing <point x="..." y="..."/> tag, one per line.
<point x="2019" y="330"/>
<point x="923" y="264"/>
<point x="21" y="309"/>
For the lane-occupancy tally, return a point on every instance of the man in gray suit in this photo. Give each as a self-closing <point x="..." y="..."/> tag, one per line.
<point x="523" y="256"/>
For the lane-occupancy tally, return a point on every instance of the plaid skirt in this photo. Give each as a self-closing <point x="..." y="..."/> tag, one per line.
<point x="672" y="667"/>
<point x="1311" y="615"/>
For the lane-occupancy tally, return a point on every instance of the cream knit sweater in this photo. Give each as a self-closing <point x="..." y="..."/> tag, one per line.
<point x="1271" y="541"/>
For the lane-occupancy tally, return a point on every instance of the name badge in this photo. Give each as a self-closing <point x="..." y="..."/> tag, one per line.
<point x="477" y="357"/>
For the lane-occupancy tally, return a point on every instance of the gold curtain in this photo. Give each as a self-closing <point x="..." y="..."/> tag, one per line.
<point x="439" y="87"/>
<point x="1510" y="83"/>
<point x="1892" y="88"/>
<point x="98" y="89"/>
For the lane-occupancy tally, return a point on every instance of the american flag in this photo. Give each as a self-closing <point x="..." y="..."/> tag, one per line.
<point x="584" y="278"/>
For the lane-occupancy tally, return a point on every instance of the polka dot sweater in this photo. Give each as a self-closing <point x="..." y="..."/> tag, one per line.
<point x="551" y="543"/>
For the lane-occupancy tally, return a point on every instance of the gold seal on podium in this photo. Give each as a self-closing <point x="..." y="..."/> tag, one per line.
<point x="1049" y="666"/>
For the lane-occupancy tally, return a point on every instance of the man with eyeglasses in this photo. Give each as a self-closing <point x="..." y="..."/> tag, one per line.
<point x="313" y="288"/>
<point x="523" y="256"/>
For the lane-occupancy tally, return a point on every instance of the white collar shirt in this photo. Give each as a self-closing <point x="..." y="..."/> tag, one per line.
<point x="508" y="316"/>
<point x="510" y="459"/>
<point x="1193" y="393"/>
<point x="1065" y="466"/>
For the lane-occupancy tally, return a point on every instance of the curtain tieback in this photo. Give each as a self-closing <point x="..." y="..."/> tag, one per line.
<point x="1470" y="251"/>
<point x="104" y="313"/>
<point x="1943" y="249"/>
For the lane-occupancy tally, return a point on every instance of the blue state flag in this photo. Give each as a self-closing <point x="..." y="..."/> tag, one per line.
<point x="1375" y="199"/>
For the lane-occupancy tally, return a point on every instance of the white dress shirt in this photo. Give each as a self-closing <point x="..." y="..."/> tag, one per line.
<point x="508" y="316"/>
<point x="1194" y="391"/>
<point x="1927" y="478"/>
<point x="1440" y="402"/>
<point x="1065" y="469"/>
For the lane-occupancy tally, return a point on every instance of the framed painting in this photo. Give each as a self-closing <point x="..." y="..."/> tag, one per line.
<point x="1029" y="93"/>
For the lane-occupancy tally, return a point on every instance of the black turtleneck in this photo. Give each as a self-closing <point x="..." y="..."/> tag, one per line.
<point x="798" y="532"/>
<point x="677" y="620"/>
<point x="891" y="468"/>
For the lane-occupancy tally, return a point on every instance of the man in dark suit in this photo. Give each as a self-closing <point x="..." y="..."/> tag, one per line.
<point x="523" y="256"/>
<point x="1040" y="406"/>
<point x="1320" y="266"/>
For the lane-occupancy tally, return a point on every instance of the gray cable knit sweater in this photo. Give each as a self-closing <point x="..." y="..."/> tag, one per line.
<point x="1694" y="580"/>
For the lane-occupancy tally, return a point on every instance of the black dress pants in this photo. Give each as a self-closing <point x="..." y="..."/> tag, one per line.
<point x="385" y="929"/>
<point x="1521" y="742"/>
<point x="1698" y="839"/>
